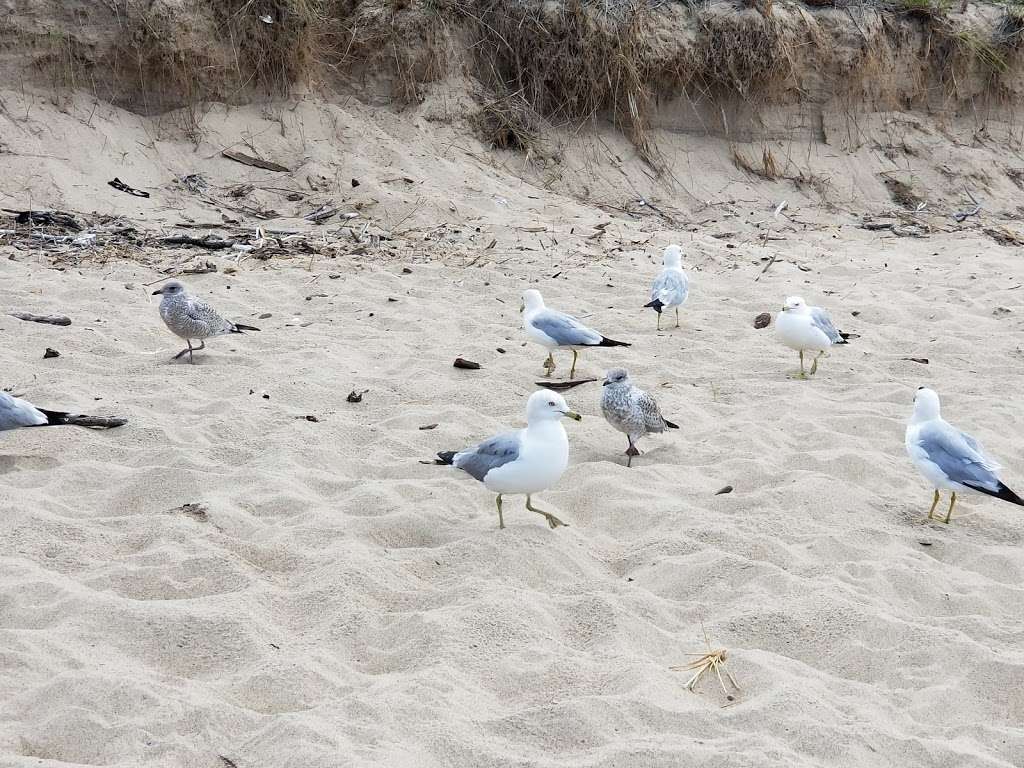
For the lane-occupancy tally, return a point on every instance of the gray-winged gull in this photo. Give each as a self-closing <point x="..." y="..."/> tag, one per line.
<point x="553" y="329"/>
<point x="951" y="460"/>
<point x="526" y="461"/>
<point x="671" y="286"/>
<point x="807" y="329"/>
<point x="16" y="413"/>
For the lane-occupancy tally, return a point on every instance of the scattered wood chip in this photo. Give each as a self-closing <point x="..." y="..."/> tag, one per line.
<point x="50" y="352"/>
<point x="200" y="269"/>
<point x="195" y="511"/>
<point x="49" y="319"/>
<point x="406" y="270"/>
<point x="356" y="397"/>
<point x="921" y="360"/>
<point x="469" y="365"/>
<point x="763" y="320"/>
<point x="726" y="489"/>
<point x="500" y="350"/>
<point x="558" y="386"/>
<point x="429" y="426"/>
<point x="255" y="162"/>
<point x="924" y="543"/>
<point x="312" y="418"/>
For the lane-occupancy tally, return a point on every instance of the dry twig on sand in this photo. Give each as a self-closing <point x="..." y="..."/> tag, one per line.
<point x="713" y="660"/>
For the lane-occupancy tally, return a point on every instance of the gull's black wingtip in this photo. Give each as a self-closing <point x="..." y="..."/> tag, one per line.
<point x="613" y="343"/>
<point x="445" y="457"/>
<point x="669" y="424"/>
<point x="656" y="305"/>
<point x="239" y="328"/>
<point x="1004" y="493"/>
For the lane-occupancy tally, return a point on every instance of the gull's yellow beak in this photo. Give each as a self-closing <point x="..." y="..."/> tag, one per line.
<point x="573" y="415"/>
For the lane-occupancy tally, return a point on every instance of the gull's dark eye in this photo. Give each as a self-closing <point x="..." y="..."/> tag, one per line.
<point x="551" y="403"/>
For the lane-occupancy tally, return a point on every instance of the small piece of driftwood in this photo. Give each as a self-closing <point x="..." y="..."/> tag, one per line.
<point x="255" y="162"/>
<point x="96" y="422"/>
<point x="559" y="386"/>
<point x="209" y="242"/>
<point x="48" y="319"/>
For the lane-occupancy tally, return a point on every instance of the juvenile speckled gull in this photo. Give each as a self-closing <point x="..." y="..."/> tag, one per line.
<point x="671" y="286"/>
<point x="526" y="461"/>
<point x="950" y="459"/>
<point x="16" y="413"/>
<point x="191" y="318"/>
<point x="630" y="410"/>
<point x="807" y="329"/>
<point x="553" y="329"/>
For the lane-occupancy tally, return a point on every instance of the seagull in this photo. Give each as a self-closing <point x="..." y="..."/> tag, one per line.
<point x="526" y="461"/>
<point x="952" y="460"/>
<point x="553" y="329"/>
<point x="806" y="329"/>
<point x="671" y="287"/>
<point x="630" y="410"/>
<point x="16" y="413"/>
<point x="191" y="318"/>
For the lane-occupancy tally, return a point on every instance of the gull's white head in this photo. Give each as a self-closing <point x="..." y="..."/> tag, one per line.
<point x="616" y="376"/>
<point x="673" y="256"/>
<point x="545" y="405"/>
<point x="926" y="405"/>
<point x="532" y="300"/>
<point x="794" y="304"/>
<point x="170" y="288"/>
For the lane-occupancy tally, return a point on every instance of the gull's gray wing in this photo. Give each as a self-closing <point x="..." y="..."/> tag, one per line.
<point x="16" y="413"/>
<point x="652" y="417"/>
<point x="490" y="454"/>
<point x="201" y="312"/>
<point x="959" y="456"/>
<point x="565" y="330"/>
<point x="823" y="323"/>
<point x="670" y="287"/>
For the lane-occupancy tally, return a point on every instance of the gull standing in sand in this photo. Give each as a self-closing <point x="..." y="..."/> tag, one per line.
<point x="553" y="329"/>
<point x="526" y="461"/>
<point x="630" y="410"/>
<point x="807" y="329"/>
<point x="16" y="413"/>
<point x="191" y="318"/>
<point x="672" y="286"/>
<point x="950" y="459"/>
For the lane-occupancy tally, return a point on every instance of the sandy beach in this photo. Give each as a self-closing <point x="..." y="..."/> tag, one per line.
<point x="332" y="600"/>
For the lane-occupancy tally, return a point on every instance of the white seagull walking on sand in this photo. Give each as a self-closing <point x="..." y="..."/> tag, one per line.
<point x="807" y="329"/>
<point x="951" y="460"/>
<point x="191" y="318"/>
<point x="553" y="329"/>
<point x="526" y="461"/>
<point x="16" y="413"/>
<point x="671" y="286"/>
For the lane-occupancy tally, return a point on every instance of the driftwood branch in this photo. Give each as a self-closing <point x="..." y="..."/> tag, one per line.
<point x="96" y="422"/>
<point x="49" y="319"/>
<point x="558" y="386"/>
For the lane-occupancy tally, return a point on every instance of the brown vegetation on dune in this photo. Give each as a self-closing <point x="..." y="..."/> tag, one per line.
<point x="536" y="61"/>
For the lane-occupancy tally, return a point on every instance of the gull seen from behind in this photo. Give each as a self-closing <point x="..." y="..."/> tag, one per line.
<point x="671" y="287"/>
